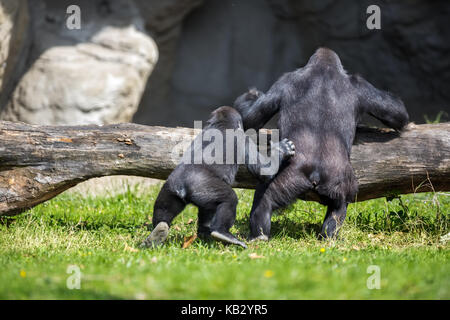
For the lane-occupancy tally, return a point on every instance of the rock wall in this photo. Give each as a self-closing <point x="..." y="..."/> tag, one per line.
<point x="164" y="21"/>
<point x="14" y="43"/>
<point x="96" y="74"/>
<point x="174" y="61"/>
<point x="227" y="45"/>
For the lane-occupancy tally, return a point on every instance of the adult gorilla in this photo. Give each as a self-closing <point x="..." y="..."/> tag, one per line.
<point x="320" y="106"/>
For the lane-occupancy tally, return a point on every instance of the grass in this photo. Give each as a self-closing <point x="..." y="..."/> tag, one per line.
<point x="100" y="236"/>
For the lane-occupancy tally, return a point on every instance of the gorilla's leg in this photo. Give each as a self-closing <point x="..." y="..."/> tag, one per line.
<point x="260" y="214"/>
<point x="336" y="212"/>
<point x="338" y="191"/>
<point x="224" y="219"/>
<point x="213" y="195"/>
<point x="167" y="207"/>
<point x="204" y="222"/>
<point x="284" y="189"/>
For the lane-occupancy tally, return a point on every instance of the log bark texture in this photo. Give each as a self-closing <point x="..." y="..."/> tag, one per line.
<point x="39" y="162"/>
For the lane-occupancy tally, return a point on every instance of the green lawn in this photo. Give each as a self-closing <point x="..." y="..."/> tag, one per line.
<point x="101" y="235"/>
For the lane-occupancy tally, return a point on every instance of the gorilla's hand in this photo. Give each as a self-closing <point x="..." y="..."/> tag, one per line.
<point x="246" y="100"/>
<point x="285" y="149"/>
<point x="253" y="94"/>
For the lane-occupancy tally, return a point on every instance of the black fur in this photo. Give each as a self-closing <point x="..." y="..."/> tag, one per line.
<point x="208" y="186"/>
<point x="320" y="106"/>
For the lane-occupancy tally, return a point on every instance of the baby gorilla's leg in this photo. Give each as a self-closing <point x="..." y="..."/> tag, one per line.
<point x="167" y="207"/>
<point x="217" y="203"/>
<point x="223" y="220"/>
<point x="204" y="223"/>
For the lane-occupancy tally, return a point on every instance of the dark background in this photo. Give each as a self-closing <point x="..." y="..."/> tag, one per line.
<point x="227" y="46"/>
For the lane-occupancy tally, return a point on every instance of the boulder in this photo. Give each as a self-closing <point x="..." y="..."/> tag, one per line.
<point x="14" y="43"/>
<point x="92" y="75"/>
<point x="226" y="46"/>
<point x="164" y="20"/>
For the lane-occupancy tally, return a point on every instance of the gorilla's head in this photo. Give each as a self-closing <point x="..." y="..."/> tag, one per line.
<point x="225" y="118"/>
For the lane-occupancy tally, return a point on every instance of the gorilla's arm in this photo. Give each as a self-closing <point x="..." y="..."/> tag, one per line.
<point x="383" y="106"/>
<point x="265" y="167"/>
<point x="257" y="109"/>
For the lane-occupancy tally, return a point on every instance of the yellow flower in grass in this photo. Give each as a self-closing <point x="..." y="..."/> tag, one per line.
<point x="322" y="250"/>
<point x="268" y="274"/>
<point x="22" y="273"/>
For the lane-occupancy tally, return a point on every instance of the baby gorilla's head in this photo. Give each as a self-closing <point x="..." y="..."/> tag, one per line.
<point x="225" y="118"/>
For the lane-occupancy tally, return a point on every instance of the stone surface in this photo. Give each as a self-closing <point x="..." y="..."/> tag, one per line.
<point x="14" y="42"/>
<point x="226" y="46"/>
<point x="164" y="20"/>
<point x="209" y="52"/>
<point x="161" y="16"/>
<point x="96" y="74"/>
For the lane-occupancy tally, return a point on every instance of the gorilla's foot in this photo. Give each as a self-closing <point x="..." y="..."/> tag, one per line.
<point x="204" y="232"/>
<point x="157" y="237"/>
<point x="227" y="238"/>
<point x="261" y="237"/>
<point x="204" y="235"/>
<point x="325" y="237"/>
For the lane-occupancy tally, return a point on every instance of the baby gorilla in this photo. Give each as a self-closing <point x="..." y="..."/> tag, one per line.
<point x="208" y="185"/>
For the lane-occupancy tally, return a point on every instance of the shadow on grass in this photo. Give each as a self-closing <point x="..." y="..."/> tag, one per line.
<point x="400" y="221"/>
<point x="296" y="226"/>
<point x="285" y="227"/>
<point x="295" y="229"/>
<point x="91" y="224"/>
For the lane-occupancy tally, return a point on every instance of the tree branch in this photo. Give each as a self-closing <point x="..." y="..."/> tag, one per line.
<point x="39" y="162"/>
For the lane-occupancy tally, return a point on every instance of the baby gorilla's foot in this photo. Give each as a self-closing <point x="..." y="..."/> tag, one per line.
<point x="227" y="238"/>
<point x="204" y="232"/>
<point x="157" y="237"/>
<point x="205" y="236"/>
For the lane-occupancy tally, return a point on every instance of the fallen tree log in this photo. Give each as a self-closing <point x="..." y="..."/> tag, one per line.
<point x="39" y="162"/>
